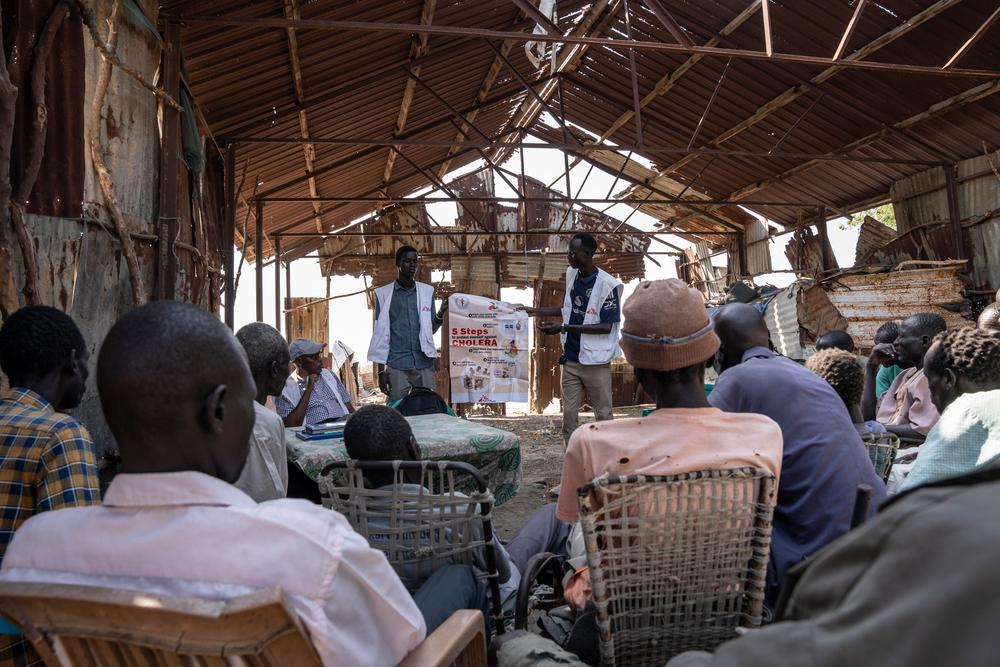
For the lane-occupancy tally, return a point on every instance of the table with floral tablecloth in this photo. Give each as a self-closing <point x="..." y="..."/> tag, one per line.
<point x="495" y="452"/>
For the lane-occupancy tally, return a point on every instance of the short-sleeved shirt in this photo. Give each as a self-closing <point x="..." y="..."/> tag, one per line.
<point x="328" y="401"/>
<point x="824" y="459"/>
<point x="884" y="378"/>
<point x="265" y="475"/>
<point x="405" y="353"/>
<point x="965" y="439"/>
<point x="907" y="402"/>
<point x="579" y="297"/>
<point x="47" y="461"/>
<point x="669" y="441"/>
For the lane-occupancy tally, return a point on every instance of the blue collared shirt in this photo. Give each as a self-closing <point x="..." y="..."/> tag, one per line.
<point x="823" y="462"/>
<point x="405" y="353"/>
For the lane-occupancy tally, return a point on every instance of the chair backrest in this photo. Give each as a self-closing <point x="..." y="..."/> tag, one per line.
<point x="421" y="401"/>
<point x="676" y="562"/>
<point x="81" y="626"/>
<point x="882" y="448"/>
<point x="423" y="520"/>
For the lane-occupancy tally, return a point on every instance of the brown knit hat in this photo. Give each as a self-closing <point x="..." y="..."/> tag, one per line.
<point x="667" y="327"/>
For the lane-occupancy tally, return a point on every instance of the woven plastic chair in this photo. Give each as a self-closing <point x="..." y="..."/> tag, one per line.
<point x="882" y="448"/>
<point x="677" y="563"/>
<point x="421" y="521"/>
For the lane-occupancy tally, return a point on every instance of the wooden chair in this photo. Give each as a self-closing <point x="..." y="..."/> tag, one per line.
<point x="882" y="448"/>
<point x="82" y="626"/>
<point x="678" y="562"/>
<point x="442" y="517"/>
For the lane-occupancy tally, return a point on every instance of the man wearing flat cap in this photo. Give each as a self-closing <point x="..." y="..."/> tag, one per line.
<point x="313" y="394"/>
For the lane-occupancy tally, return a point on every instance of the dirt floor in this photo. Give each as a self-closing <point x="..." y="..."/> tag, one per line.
<point x="541" y="462"/>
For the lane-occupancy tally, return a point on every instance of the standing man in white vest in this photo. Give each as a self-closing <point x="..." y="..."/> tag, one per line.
<point x="405" y="323"/>
<point x="591" y="317"/>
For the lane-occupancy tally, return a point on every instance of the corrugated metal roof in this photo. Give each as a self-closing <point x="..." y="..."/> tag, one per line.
<point x="354" y="81"/>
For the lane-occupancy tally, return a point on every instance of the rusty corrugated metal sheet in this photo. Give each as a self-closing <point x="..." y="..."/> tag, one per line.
<point x="867" y="301"/>
<point x="758" y="250"/>
<point x="872" y="236"/>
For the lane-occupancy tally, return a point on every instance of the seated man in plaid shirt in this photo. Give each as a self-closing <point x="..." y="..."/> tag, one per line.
<point x="46" y="458"/>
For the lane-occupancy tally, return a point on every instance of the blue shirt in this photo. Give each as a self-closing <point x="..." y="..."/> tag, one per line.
<point x="405" y="353"/>
<point x="579" y="297"/>
<point x="966" y="438"/>
<point x="824" y="459"/>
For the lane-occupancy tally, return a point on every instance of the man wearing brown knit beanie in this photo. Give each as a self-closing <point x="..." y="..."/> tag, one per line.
<point x="667" y="336"/>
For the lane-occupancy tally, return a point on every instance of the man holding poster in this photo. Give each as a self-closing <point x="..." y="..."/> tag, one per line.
<point x="591" y="316"/>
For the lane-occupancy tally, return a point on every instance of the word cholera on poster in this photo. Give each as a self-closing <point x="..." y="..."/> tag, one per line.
<point x="489" y="354"/>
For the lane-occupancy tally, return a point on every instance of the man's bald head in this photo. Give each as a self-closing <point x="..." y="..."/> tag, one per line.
<point x="176" y="391"/>
<point x="739" y="327"/>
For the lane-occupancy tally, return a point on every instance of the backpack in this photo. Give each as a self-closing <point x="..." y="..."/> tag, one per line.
<point x="421" y="401"/>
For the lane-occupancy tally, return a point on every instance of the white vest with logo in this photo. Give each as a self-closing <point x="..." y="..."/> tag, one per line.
<point x="595" y="349"/>
<point x="378" y="350"/>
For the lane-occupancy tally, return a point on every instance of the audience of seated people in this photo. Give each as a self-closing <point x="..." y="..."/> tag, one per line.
<point x="888" y="369"/>
<point x="314" y="394"/>
<point x="836" y="340"/>
<point x="842" y="370"/>
<point x="265" y="475"/>
<point x="668" y="338"/>
<point x="380" y="433"/>
<point x="906" y="408"/>
<point x="824" y="460"/>
<point x="171" y="522"/>
<point x="47" y="461"/>
<point x="963" y="374"/>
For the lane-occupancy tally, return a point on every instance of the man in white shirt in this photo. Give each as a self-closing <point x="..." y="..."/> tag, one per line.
<point x="315" y="394"/>
<point x="265" y="475"/>
<point x="178" y="397"/>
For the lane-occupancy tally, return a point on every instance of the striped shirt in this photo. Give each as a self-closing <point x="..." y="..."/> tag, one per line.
<point x="329" y="398"/>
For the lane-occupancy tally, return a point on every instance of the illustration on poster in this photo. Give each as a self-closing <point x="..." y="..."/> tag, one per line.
<point x="488" y="343"/>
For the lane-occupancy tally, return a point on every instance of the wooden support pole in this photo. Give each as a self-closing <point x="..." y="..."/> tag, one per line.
<point x="229" y="240"/>
<point x="958" y="237"/>
<point x="258" y="256"/>
<point x="170" y="153"/>
<point x="288" y="297"/>
<point x="824" y="239"/>
<point x="741" y="249"/>
<point x="276" y="242"/>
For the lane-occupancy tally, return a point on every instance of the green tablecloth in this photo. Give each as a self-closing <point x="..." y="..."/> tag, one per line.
<point x="496" y="453"/>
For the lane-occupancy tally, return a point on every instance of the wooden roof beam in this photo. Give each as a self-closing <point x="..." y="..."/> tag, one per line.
<point x="543" y="21"/>
<point x="419" y="46"/>
<point x="291" y="9"/>
<point x="849" y="30"/>
<point x="669" y="22"/>
<point x="795" y="92"/>
<point x="987" y="24"/>
<point x="946" y="106"/>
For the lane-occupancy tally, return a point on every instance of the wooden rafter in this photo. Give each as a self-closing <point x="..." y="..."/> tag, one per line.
<point x="418" y="48"/>
<point x="849" y="30"/>
<point x="766" y="15"/>
<point x="667" y="81"/>
<point x="669" y="22"/>
<point x="568" y="60"/>
<point x="797" y="91"/>
<point x="987" y="24"/>
<point x="291" y="9"/>
<point x="532" y="12"/>
<point x="980" y="92"/>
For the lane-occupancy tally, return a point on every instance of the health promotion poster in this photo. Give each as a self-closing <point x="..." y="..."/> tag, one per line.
<point x="488" y="350"/>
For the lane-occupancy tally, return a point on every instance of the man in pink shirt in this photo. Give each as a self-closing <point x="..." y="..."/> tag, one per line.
<point x="906" y="408"/>
<point x="178" y="396"/>
<point x="668" y="338"/>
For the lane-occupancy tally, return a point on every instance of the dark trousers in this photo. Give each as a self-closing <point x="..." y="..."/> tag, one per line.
<point x="449" y="589"/>
<point x="540" y="533"/>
